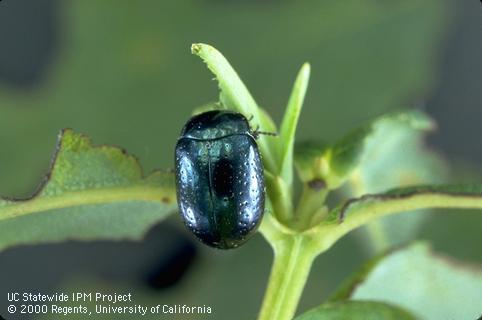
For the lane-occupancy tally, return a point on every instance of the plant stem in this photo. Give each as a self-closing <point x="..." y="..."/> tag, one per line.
<point x="283" y="205"/>
<point x="293" y="257"/>
<point x="311" y="200"/>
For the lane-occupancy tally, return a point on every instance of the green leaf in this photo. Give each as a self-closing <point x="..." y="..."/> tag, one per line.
<point x="374" y="142"/>
<point x="235" y="96"/>
<point x="390" y="153"/>
<point x="371" y="155"/>
<point x="384" y="154"/>
<point x="394" y="155"/>
<point x="357" y="212"/>
<point x="290" y="121"/>
<point x="428" y="285"/>
<point x="373" y="206"/>
<point x="344" y="291"/>
<point x="91" y="192"/>
<point x="356" y="310"/>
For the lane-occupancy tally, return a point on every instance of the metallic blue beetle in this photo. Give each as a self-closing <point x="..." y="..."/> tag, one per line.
<point x="219" y="179"/>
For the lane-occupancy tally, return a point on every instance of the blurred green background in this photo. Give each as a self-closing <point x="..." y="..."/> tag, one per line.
<point x="122" y="73"/>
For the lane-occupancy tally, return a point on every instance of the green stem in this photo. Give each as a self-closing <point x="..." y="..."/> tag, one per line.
<point x="310" y="202"/>
<point x="293" y="257"/>
<point x="283" y="205"/>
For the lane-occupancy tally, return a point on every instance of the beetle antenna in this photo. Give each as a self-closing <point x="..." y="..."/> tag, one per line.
<point x="256" y="133"/>
<point x="273" y="134"/>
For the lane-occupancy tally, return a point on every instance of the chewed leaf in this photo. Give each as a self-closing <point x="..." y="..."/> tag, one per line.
<point x="235" y="96"/>
<point x="90" y="192"/>
<point x="395" y="155"/>
<point x="387" y="153"/>
<point x="357" y="212"/>
<point x="356" y="310"/>
<point x="367" y="153"/>
<point x="438" y="288"/>
<point x="373" y="206"/>
<point x="392" y="143"/>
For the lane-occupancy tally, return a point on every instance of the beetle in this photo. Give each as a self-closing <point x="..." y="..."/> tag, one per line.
<point x="219" y="178"/>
